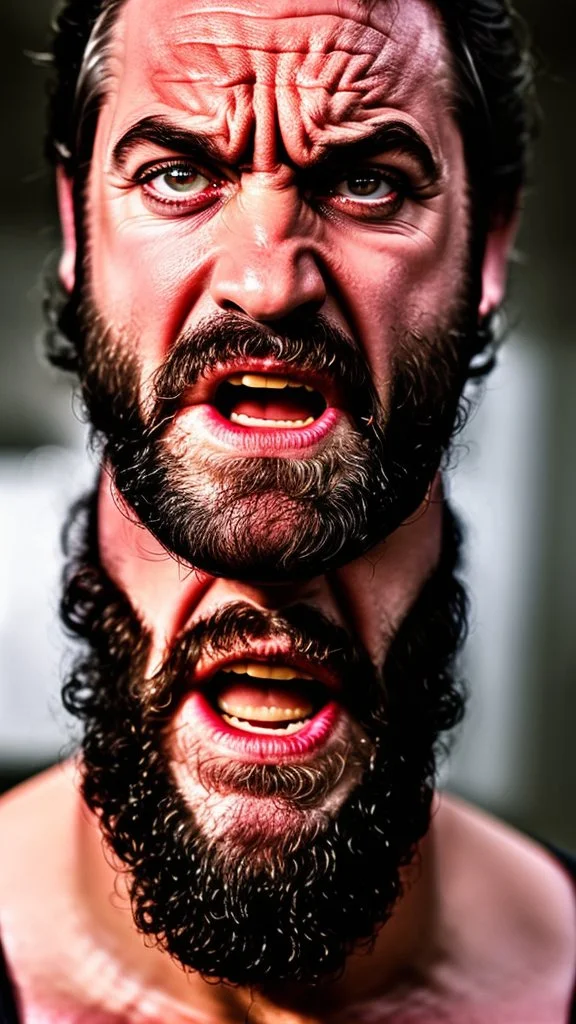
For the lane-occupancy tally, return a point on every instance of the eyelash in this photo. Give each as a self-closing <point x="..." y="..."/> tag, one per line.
<point x="366" y="209"/>
<point x="147" y="174"/>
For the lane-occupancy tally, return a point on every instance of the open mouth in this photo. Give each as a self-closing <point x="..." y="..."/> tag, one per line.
<point x="266" y="699"/>
<point x="261" y="710"/>
<point x="259" y="409"/>
<point x="268" y="401"/>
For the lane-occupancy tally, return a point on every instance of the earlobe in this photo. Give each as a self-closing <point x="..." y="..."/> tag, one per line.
<point x="495" y="266"/>
<point x="67" y="265"/>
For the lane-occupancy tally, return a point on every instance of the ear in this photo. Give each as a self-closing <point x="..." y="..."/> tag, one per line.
<point x="499" y="244"/>
<point x="67" y="266"/>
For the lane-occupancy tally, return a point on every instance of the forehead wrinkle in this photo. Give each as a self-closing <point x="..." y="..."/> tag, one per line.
<point x="333" y="73"/>
<point x="226" y="51"/>
<point x="336" y="72"/>
<point x="330" y="73"/>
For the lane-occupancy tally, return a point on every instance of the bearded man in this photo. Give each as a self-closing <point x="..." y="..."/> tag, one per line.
<point x="286" y="229"/>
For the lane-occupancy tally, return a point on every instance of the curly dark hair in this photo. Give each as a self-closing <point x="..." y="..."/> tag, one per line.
<point x="241" y="911"/>
<point x="494" y="106"/>
<point x="492" y="62"/>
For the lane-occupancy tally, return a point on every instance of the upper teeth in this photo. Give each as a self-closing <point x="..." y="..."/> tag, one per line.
<point x="261" y="380"/>
<point x="260" y="670"/>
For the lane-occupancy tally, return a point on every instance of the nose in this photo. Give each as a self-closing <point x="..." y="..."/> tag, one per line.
<point x="267" y="267"/>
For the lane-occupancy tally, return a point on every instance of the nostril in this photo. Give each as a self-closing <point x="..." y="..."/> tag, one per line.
<point x="299" y="314"/>
<point x="302" y="313"/>
<point x="308" y="309"/>
<point x="231" y="307"/>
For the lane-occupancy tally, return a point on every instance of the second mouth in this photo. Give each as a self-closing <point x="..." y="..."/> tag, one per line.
<point x="267" y="699"/>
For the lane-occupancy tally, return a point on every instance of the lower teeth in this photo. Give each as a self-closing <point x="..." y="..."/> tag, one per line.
<point x="255" y="421"/>
<point x="241" y="723"/>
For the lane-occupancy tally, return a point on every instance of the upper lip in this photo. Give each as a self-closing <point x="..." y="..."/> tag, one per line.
<point x="204" y="390"/>
<point x="270" y="653"/>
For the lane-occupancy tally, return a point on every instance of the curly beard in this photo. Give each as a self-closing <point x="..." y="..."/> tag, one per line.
<point x="274" y="517"/>
<point x="236" y="906"/>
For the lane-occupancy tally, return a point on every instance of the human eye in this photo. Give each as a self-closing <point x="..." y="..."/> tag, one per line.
<point x="368" y="192"/>
<point x="178" y="188"/>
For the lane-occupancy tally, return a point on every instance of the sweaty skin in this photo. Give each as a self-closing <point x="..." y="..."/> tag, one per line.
<point x="369" y="598"/>
<point x="268" y="229"/>
<point x="275" y="165"/>
<point x="463" y="945"/>
<point x="264" y="226"/>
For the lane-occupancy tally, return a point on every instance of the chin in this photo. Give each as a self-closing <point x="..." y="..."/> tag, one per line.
<point x="266" y="793"/>
<point x="265" y="789"/>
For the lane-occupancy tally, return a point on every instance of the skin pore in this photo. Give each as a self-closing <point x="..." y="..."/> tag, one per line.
<point x="257" y="244"/>
<point x="268" y="169"/>
<point x="396" y="573"/>
<point x="463" y="943"/>
<point x="232" y="174"/>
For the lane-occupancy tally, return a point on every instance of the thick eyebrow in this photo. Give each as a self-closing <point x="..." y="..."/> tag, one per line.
<point x="394" y="136"/>
<point x="160" y="132"/>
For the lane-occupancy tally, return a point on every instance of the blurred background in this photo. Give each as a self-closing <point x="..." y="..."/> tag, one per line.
<point x="514" y="481"/>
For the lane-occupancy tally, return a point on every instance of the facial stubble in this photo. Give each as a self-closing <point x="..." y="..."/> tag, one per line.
<point x="296" y="910"/>
<point x="271" y="518"/>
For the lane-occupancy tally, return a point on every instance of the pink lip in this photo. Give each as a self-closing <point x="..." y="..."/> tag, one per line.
<point x="205" y="421"/>
<point x="197" y="715"/>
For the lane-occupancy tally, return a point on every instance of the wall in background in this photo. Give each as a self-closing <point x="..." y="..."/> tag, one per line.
<point x="517" y="483"/>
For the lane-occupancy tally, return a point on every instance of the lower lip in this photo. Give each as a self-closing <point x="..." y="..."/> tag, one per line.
<point x="197" y="715"/>
<point x="205" y="420"/>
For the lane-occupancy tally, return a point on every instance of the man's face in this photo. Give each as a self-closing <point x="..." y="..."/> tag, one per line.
<point x="277" y="293"/>
<point x="262" y="759"/>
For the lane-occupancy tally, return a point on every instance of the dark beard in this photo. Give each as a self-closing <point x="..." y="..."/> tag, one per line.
<point x="297" y="913"/>
<point x="276" y="517"/>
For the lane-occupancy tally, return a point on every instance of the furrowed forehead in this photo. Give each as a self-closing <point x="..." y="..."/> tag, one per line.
<point x="352" y="60"/>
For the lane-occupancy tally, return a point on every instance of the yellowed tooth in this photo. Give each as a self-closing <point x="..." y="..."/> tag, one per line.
<point x="266" y="380"/>
<point x="257" y="670"/>
<point x="250" y="421"/>
<point x="255" y="421"/>
<point x="264" y="713"/>
<point x="263" y="670"/>
<point x="260" y="670"/>
<point x="254" y="380"/>
<point x="285" y="382"/>
<point x="248" y="727"/>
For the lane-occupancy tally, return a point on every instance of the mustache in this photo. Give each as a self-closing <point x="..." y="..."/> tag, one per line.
<point x="232" y="629"/>
<point x="311" y="344"/>
<point x="245" y="912"/>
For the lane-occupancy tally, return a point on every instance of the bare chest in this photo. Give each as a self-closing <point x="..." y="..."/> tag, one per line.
<point x="535" y="1006"/>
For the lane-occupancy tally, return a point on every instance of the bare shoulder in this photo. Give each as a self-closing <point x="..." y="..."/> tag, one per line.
<point x="520" y="898"/>
<point x="37" y="820"/>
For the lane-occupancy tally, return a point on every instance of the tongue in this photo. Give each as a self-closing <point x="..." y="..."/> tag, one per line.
<point x="281" y="408"/>
<point x="245" y="700"/>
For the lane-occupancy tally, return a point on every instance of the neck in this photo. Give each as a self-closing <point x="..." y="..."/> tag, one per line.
<point x="402" y="954"/>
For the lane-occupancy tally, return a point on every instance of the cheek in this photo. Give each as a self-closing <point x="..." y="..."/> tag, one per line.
<point x="412" y="277"/>
<point x="381" y="588"/>
<point x="146" y="275"/>
<point x="394" y="284"/>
